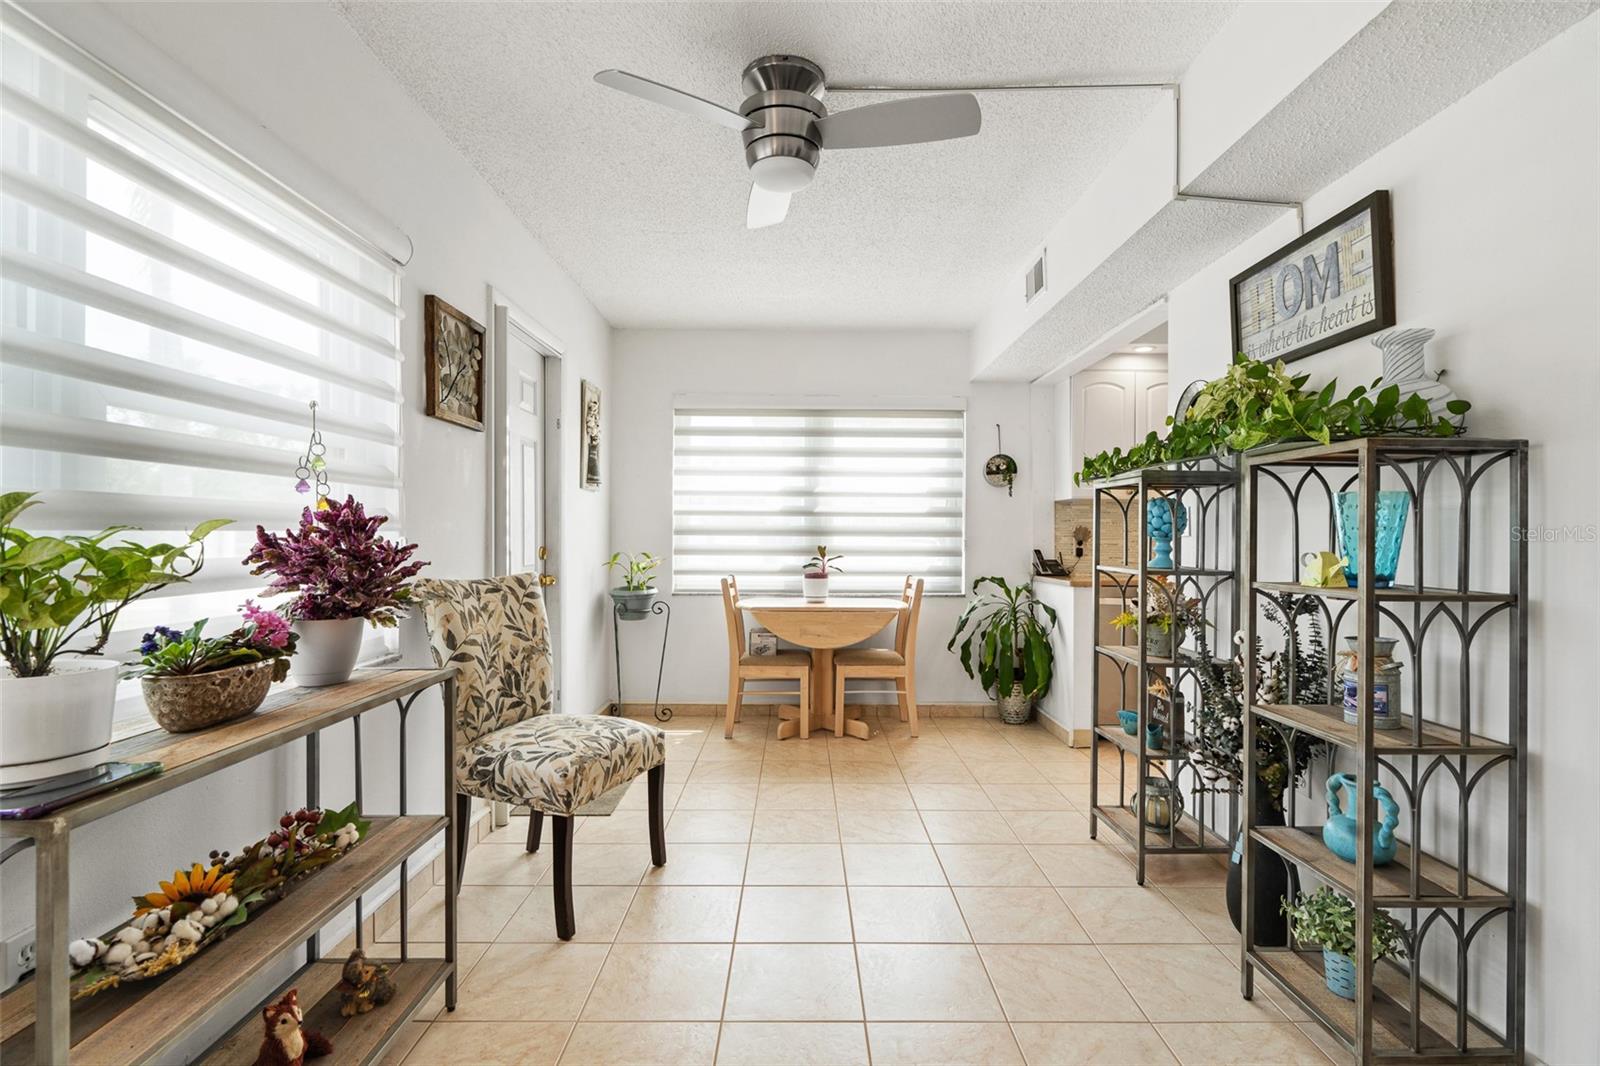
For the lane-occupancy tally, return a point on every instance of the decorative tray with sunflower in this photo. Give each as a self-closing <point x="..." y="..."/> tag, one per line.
<point x="199" y="906"/>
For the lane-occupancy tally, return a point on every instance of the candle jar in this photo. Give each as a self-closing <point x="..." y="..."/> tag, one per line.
<point x="1160" y="805"/>
<point x="1388" y="695"/>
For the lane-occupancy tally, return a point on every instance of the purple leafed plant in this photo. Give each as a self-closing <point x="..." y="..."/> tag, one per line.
<point x="338" y="564"/>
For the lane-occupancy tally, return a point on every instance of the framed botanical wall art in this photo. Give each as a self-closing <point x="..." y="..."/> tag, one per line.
<point x="589" y="436"/>
<point x="454" y="346"/>
<point x="1323" y="288"/>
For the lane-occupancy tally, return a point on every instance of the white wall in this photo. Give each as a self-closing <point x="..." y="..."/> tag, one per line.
<point x="1495" y="224"/>
<point x="650" y="366"/>
<point x="299" y="70"/>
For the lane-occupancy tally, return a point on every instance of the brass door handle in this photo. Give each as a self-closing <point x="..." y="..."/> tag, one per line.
<point x="547" y="580"/>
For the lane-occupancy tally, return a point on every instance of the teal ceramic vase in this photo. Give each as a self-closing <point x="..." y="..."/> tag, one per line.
<point x="1165" y="518"/>
<point x="1339" y="832"/>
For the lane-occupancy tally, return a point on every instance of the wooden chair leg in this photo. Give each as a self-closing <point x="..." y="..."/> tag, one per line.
<point x="535" y="828"/>
<point x="657" y="779"/>
<point x="565" y="926"/>
<point x="805" y="706"/>
<point x="900" y="698"/>
<point x="733" y="706"/>
<point x="911" y="702"/>
<point x="463" y="824"/>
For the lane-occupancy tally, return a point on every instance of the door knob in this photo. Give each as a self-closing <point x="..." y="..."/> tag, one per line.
<point x="547" y="580"/>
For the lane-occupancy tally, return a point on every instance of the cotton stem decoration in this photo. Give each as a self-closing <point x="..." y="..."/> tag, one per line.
<point x="313" y="465"/>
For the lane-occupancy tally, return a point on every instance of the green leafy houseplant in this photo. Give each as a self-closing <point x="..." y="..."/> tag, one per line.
<point x="265" y="635"/>
<point x="637" y="569"/>
<point x="1328" y="919"/>
<point x="1257" y="403"/>
<point x="821" y="564"/>
<point x="1007" y="632"/>
<point x="54" y="590"/>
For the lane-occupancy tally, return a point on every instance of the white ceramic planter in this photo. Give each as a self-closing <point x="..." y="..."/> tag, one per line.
<point x="816" y="588"/>
<point x="66" y="715"/>
<point x="326" y="651"/>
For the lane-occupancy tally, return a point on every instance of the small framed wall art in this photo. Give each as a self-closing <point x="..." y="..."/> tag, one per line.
<point x="453" y="344"/>
<point x="589" y="433"/>
<point x="1328" y="286"/>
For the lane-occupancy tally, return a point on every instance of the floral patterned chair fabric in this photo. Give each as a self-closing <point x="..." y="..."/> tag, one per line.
<point x="509" y="746"/>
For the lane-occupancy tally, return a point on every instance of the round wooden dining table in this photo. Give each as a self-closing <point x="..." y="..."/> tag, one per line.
<point x="822" y="626"/>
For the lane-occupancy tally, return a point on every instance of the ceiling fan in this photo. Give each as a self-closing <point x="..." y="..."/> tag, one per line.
<point x="786" y="127"/>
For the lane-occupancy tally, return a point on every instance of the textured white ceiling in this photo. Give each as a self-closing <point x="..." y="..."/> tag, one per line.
<point x="645" y="207"/>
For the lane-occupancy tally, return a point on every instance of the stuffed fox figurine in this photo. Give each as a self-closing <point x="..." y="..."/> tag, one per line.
<point x="286" y="1043"/>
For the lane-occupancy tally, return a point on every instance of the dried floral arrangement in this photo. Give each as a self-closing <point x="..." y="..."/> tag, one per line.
<point x="199" y="906"/>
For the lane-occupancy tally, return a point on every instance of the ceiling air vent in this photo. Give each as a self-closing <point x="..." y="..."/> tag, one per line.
<point x="1033" y="280"/>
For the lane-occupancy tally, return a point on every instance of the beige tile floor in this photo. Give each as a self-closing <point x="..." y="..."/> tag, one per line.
<point x="899" y="900"/>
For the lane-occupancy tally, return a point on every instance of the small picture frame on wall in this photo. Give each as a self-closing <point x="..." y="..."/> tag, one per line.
<point x="453" y="345"/>
<point x="1323" y="288"/>
<point x="589" y="436"/>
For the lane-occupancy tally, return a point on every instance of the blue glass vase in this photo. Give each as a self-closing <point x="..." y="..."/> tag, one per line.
<point x="1389" y="529"/>
<point x="1164" y="518"/>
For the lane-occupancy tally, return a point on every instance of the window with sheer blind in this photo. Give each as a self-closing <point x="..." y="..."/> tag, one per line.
<point x="755" y="490"/>
<point x="169" y="315"/>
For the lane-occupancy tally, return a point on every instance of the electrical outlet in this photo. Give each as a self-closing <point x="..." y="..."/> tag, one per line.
<point x="20" y="956"/>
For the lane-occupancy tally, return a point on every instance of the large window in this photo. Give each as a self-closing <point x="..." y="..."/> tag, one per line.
<point x="169" y="313"/>
<point x="755" y="490"/>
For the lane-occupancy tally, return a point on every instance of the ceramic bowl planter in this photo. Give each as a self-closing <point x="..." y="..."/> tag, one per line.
<point x="632" y="604"/>
<point x="186" y="702"/>
<point x="326" y="652"/>
<point x="1015" y="707"/>
<point x="64" y="714"/>
<point x="1129" y="720"/>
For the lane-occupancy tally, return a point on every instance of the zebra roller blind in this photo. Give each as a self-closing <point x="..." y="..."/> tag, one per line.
<point x="756" y="490"/>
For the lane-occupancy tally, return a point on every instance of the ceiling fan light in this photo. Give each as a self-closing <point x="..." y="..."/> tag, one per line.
<point x="782" y="173"/>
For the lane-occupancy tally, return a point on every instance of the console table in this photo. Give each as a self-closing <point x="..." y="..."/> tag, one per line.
<point x="145" y="1021"/>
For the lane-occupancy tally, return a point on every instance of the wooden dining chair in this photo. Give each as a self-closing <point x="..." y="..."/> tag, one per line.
<point x="897" y="664"/>
<point x="744" y="667"/>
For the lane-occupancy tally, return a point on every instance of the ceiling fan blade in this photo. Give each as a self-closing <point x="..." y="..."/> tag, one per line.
<point x="767" y="208"/>
<point x="676" y="99"/>
<point x="913" y="120"/>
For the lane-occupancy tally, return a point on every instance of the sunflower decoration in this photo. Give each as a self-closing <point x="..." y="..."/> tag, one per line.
<point x="186" y="891"/>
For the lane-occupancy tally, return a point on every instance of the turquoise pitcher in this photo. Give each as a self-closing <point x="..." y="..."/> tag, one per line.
<point x="1339" y="833"/>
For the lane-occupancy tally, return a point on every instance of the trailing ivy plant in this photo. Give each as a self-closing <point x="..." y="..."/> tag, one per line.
<point x="1257" y="403"/>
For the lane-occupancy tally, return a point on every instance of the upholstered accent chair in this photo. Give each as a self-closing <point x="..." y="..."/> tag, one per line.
<point x="508" y="744"/>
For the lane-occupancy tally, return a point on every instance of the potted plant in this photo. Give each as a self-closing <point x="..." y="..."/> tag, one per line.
<point x="633" y="597"/>
<point x="345" y="575"/>
<point x="1010" y="632"/>
<point x="191" y="681"/>
<point x="1328" y="919"/>
<point x="1167" y="619"/>
<point x="59" y="700"/>
<point x="815" y="575"/>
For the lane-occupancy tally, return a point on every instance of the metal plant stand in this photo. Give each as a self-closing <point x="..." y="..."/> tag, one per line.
<point x="660" y="607"/>
<point x="1462" y="584"/>
<point x="1165" y="688"/>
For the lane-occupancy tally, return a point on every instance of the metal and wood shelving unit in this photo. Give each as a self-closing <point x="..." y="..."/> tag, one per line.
<point x="151" y="1021"/>
<point x="1468" y="726"/>
<point x="1204" y="567"/>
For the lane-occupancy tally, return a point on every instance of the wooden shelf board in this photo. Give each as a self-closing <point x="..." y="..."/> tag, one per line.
<point x="1397" y="449"/>
<point x="355" y="1040"/>
<point x="1125" y="823"/>
<point x="1399" y="593"/>
<point x="137" y="1022"/>
<point x="287" y="715"/>
<point x="1391" y="884"/>
<point x="1129" y="653"/>
<point x="1326" y="720"/>
<point x="1114" y="735"/>
<point x="1175" y="571"/>
<point x="1299" y="973"/>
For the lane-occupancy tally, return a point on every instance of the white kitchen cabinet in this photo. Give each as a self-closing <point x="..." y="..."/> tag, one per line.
<point x="1105" y="409"/>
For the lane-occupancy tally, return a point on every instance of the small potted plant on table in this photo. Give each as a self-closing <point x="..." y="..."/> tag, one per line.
<point x="1010" y="632"/>
<point x="1328" y="919"/>
<point x="60" y="701"/>
<point x="633" y="597"/>
<point x="191" y="681"/>
<point x="346" y="576"/>
<point x="815" y="575"/>
<point x="1167" y="618"/>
